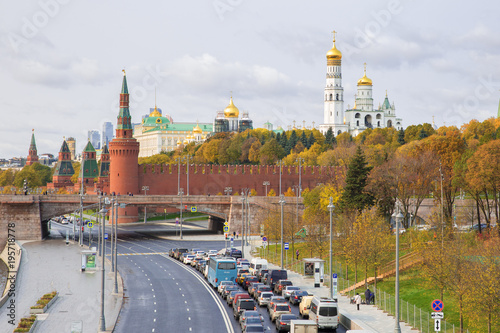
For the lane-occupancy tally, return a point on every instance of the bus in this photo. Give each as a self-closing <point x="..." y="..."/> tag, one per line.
<point x="221" y="269"/>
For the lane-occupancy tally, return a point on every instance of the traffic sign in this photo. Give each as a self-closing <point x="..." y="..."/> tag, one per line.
<point x="176" y="220"/>
<point x="334" y="275"/>
<point x="264" y="239"/>
<point x="437" y="315"/>
<point x="226" y="229"/>
<point x="106" y="235"/>
<point x="193" y="209"/>
<point x="437" y="305"/>
<point x="287" y="246"/>
<point x="90" y="225"/>
<point x="437" y="325"/>
<point x="226" y="223"/>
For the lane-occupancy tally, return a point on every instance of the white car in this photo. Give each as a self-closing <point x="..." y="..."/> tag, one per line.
<point x="222" y="284"/>
<point x="288" y="290"/>
<point x="188" y="259"/>
<point x="264" y="298"/>
<point x="199" y="254"/>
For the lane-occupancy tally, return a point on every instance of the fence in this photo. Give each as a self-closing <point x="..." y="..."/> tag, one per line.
<point x="415" y="317"/>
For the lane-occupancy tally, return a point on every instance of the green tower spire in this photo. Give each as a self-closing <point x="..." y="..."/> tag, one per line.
<point x="33" y="143"/>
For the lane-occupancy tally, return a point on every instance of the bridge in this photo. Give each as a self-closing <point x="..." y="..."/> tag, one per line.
<point x="29" y="214"/>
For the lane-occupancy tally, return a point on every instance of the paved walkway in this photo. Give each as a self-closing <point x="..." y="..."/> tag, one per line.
<point x="52" y="265"/>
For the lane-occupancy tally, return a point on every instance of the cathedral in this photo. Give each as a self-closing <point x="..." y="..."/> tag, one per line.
<point x="362" y="115"/>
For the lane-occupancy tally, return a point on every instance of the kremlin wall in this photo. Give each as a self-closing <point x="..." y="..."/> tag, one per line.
<point x="121" y="174"/>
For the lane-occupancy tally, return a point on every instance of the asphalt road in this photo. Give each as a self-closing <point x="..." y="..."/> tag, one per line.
<point x="164" y="295"/>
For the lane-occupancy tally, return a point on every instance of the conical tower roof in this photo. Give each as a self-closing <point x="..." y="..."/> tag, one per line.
<point x="33" y="143"/>
<point x="124" y="84"/>
<point x="64" y="148"/>
<point x="89" y="148"/>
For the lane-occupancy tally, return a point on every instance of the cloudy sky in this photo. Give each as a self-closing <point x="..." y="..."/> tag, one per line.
<point x="61" y="61"/>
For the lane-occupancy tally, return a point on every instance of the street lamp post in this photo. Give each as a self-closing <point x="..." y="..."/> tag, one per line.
<point x="282" y="202"/>
<point x="244" y="220"/>
<point x="145" y="189"/>
<point x="80" y="228"/>
<point x="178" y="174"/>
<point x="114" y="248"/>
<point x="398" y="217"/>
<point x="242" y="224"/>
<point x="187" y="158"/>
<point x="281" y="164"/>
<point x="181" y="192"/>
<point x="330" y="208"/>
<point x="102" y="320"/>
<point x="300" y="159"/>
<point x="266" y="184"/>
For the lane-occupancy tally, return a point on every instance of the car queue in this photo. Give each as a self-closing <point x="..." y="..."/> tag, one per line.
<point x="249" y="287"/>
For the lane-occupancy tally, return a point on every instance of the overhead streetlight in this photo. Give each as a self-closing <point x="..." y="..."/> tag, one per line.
<point x="300" y="159"/>
<point x="331" y="207"/>
<point x="181" y="193"/>
<point x="282" y="202"/>
<point x="145" y="189"/>
<point x="102" y="320"/>
<point x="114" y="248"/>
<point x="398" y="217"/>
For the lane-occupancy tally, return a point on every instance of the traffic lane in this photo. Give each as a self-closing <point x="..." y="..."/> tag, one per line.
<point x="181" y="293"/>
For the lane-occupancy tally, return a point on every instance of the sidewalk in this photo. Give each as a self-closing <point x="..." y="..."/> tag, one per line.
<point x="51" y="265"/>
<point x="367" y="318"/>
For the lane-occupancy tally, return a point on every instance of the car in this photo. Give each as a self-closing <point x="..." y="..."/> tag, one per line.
<point x="229" y="289"/>
<point x="188" y="258"/>
<point x="253" y="287"/>
<point x="296" y="296"/>
<point x="240" y="272"/>
<point x="241" y="305"/>
<point x="223" y="284"/>
<point x="275" y="299"/>
<point x="200" y="264"/>
<point x="171" y="252"/>
<point x="288" y="290"/>
<point x="283" y="322"/>
<point x="475" y="227"/>
<point x="231" y="295"/>
<point x="241" y="278"/>
<point x="261" y="273"/>
<point x="232" y="252"/>
<point x="278" y="287"/>
<point x="239" y="296"/>
<point x="249" y="279"/>
<point x="199" y="254"/>
<point x="305" y="305"/>
<point x="239" y="261"/>
<point x="195" y="261"/>
<point x="324" y="311"/>
<point x="250" y="314"/>
<point x="278" y="309"/>
<point x="178" y="252"/>
<point x="250" y="321"/>
<point x="275" y="275"/>
<point x="261" y="289"/>
<point x="264" y="298"/>
<point x="254" y="329"/>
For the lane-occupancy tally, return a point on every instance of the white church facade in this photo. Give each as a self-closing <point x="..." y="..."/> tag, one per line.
<point x="362" y="115"/>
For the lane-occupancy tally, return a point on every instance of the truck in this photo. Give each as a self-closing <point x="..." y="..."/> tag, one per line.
<point x="303" y="326"/>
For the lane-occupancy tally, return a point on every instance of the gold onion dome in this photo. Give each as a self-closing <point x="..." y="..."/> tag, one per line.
<point x="155" y="113"/>
<point x="334" y="53"/>
<point x="365" y="81"/>
<point x="231" y="111"/>
<point x="179" y="142"/>
<point x="197" y="129"/>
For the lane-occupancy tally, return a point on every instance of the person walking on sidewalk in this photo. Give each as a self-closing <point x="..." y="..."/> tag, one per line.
<point x="367" y="295"/>
<point x="357" y="300"/>
<point x="297" y="253"/>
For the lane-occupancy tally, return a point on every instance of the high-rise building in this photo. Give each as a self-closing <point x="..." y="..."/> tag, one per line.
<point x="94" y="137"/>
<point x="106" y="133"/>
<point x="72" y="147"/>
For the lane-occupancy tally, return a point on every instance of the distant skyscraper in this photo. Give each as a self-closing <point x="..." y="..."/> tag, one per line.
<point x="107" y="133"/>
<point x="95" y="138"/>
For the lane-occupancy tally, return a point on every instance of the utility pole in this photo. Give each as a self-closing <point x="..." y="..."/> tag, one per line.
<point x="145" y="189"/>
<point x="181" y="192"/>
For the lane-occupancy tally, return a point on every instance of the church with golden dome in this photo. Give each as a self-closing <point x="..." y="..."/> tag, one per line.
<point x="229" y="120"/>
<point x="362" y="115"/>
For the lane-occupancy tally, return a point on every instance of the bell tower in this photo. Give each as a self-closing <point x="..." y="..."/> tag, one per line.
<point x="124" y="158"/>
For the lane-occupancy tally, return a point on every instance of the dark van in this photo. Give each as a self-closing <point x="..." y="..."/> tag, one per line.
<point x="232" y="252"/>
<point x="243" y="304"/>
<point x="178" y="252"/>
<point x="275" y="275"/>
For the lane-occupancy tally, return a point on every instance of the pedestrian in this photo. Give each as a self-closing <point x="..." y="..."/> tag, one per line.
<point x="367" y="295"/>
<point x="357" y="300"/>
<point x="297" y="253"/>
<point x="234" y="234"/>
<point x="237" y="235"/>
<point x="372" y="298"/>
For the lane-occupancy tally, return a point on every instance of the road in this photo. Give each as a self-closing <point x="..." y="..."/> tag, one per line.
<point x="164" y="295"/>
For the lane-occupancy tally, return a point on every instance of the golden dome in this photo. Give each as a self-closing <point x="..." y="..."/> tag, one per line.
<point x="334" y="53"/>
<point x="231" y="111"/>
<point x="186" y="141"/>
<point x="365" y="81"/>
<point x="179" y="142"/>
<point x="155" y="113"/>
<point x="197" y="129"/>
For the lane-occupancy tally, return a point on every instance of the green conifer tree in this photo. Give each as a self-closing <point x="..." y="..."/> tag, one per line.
<point x="328" y="136"/>
<point x="311" y="140"/>
<point x="401" y="137"/>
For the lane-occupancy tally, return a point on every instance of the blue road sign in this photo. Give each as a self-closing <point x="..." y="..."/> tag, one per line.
<point x="287" y="246"/>
<point x="264" y="238"/>
<point x="193" y="209"/>
<point x="226" y="229"/>
<point x="106" y="235"/>
<point x="90" y="225"/>
<point x="437" y="305"/>
<point x="334" y="275"/>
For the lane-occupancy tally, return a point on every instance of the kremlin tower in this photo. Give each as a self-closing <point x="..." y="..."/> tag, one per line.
<point x="124" y="158"/>
<point x="32" y="152"/>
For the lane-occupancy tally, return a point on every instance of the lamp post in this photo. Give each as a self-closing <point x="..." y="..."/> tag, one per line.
<point x="187" y="158"/>
<point x="266" y="184"/>
<point x="281" y="164"/>
<point x="102" y="320"/>
<point x="228" y="190"/>
<point x="442" y="206"/>
<point x="244" y="220"/>
<point x="300" y="159"/>
<point x="116" y="254"/>
<point x="181" y="192"/>
<point x="82" y="195"/>
<point x="112" y="217"/>
<point x="145" y="189"/>
<point x="178" y="174"/>
<point x="242" y="224"/>
<point x="282" y="202"/>
<point x="398" y="217"/>
<point x="330" y="208"/>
